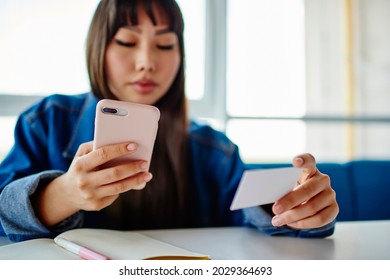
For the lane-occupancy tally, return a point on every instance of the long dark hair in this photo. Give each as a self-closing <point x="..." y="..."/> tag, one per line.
<point x="162" y="203"/>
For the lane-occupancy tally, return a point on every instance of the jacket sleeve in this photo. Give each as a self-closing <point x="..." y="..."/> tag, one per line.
<point x="22" y="172"/>
<point x="18" y="219"/>
<point x="260" y="219"/>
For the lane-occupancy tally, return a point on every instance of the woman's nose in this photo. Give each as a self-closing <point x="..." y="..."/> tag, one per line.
<point x="145" y="60"/>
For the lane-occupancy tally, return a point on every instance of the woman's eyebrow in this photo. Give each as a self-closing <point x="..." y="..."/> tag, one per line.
<point x="133" y="28"/>
<point x="162" y="30"/>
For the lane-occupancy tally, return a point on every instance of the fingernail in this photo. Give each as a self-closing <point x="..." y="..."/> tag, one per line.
<point x="299" y="160"/>
<point x="131" y="147"/>
<point x="279" y="209"/>
<point x="277" y="222"/>
<point x="144" y="165"/>
<point x="148" y="177"/>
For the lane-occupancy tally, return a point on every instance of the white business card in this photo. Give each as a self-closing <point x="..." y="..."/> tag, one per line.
<point x="263" y="186"/>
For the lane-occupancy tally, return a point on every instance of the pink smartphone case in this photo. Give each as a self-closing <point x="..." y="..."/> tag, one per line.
<point x="132" y="123"/>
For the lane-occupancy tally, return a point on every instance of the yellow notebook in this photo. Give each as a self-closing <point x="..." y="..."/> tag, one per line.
<point x="117" y="245"/>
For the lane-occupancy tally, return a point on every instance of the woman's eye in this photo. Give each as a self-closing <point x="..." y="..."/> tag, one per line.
<point x="124" y="44"/>
<point x="165" y="47"/>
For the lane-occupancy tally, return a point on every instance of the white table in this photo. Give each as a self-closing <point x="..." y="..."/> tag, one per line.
<point x="351" y="241"/>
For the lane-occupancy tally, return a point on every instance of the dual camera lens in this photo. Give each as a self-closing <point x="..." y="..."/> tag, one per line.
<point x="120" y="112"/>
<point x="109" y="110"/>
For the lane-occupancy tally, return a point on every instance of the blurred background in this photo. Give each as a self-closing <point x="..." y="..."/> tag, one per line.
<point x="280" y="77"/>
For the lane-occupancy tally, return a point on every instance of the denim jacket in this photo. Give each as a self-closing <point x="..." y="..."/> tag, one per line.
<point x="47" y="137"/>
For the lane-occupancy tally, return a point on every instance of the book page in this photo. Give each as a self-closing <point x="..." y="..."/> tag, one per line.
<point x="36" y="249"/>
<point x="129" y="245"/>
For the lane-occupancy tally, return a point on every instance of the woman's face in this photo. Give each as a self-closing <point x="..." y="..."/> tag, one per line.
<point x="142" y="60"/>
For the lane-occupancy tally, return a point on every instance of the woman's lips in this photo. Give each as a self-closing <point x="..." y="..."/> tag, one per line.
<point x="144" y="86"/>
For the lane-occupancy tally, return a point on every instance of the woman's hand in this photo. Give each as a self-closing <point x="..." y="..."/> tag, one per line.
<point x="87" y="187"/>
<point x="312" y="203"/>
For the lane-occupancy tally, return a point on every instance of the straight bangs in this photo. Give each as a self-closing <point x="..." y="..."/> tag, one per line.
<point x="126" y="14"/>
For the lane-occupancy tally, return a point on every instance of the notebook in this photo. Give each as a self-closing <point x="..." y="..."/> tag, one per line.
<point x="116" y="245"/>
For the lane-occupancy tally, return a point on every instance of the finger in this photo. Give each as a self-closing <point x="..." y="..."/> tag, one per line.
<point x="308" y="163"/>
<point x="310" y="208"/>
<point x="119" y="172"/>
<point x="322" y="218"/>
<point x="107" y="153"/>
<point x="84" y="149"/>
<point x="301" y="194"/>
<point x="134" y="182"/>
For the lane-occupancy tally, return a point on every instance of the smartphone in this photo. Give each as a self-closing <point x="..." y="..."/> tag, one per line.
<point x="120" y="121"/>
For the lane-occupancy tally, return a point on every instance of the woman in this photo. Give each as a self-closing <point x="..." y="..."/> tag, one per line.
<point x="51" y="180"/>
